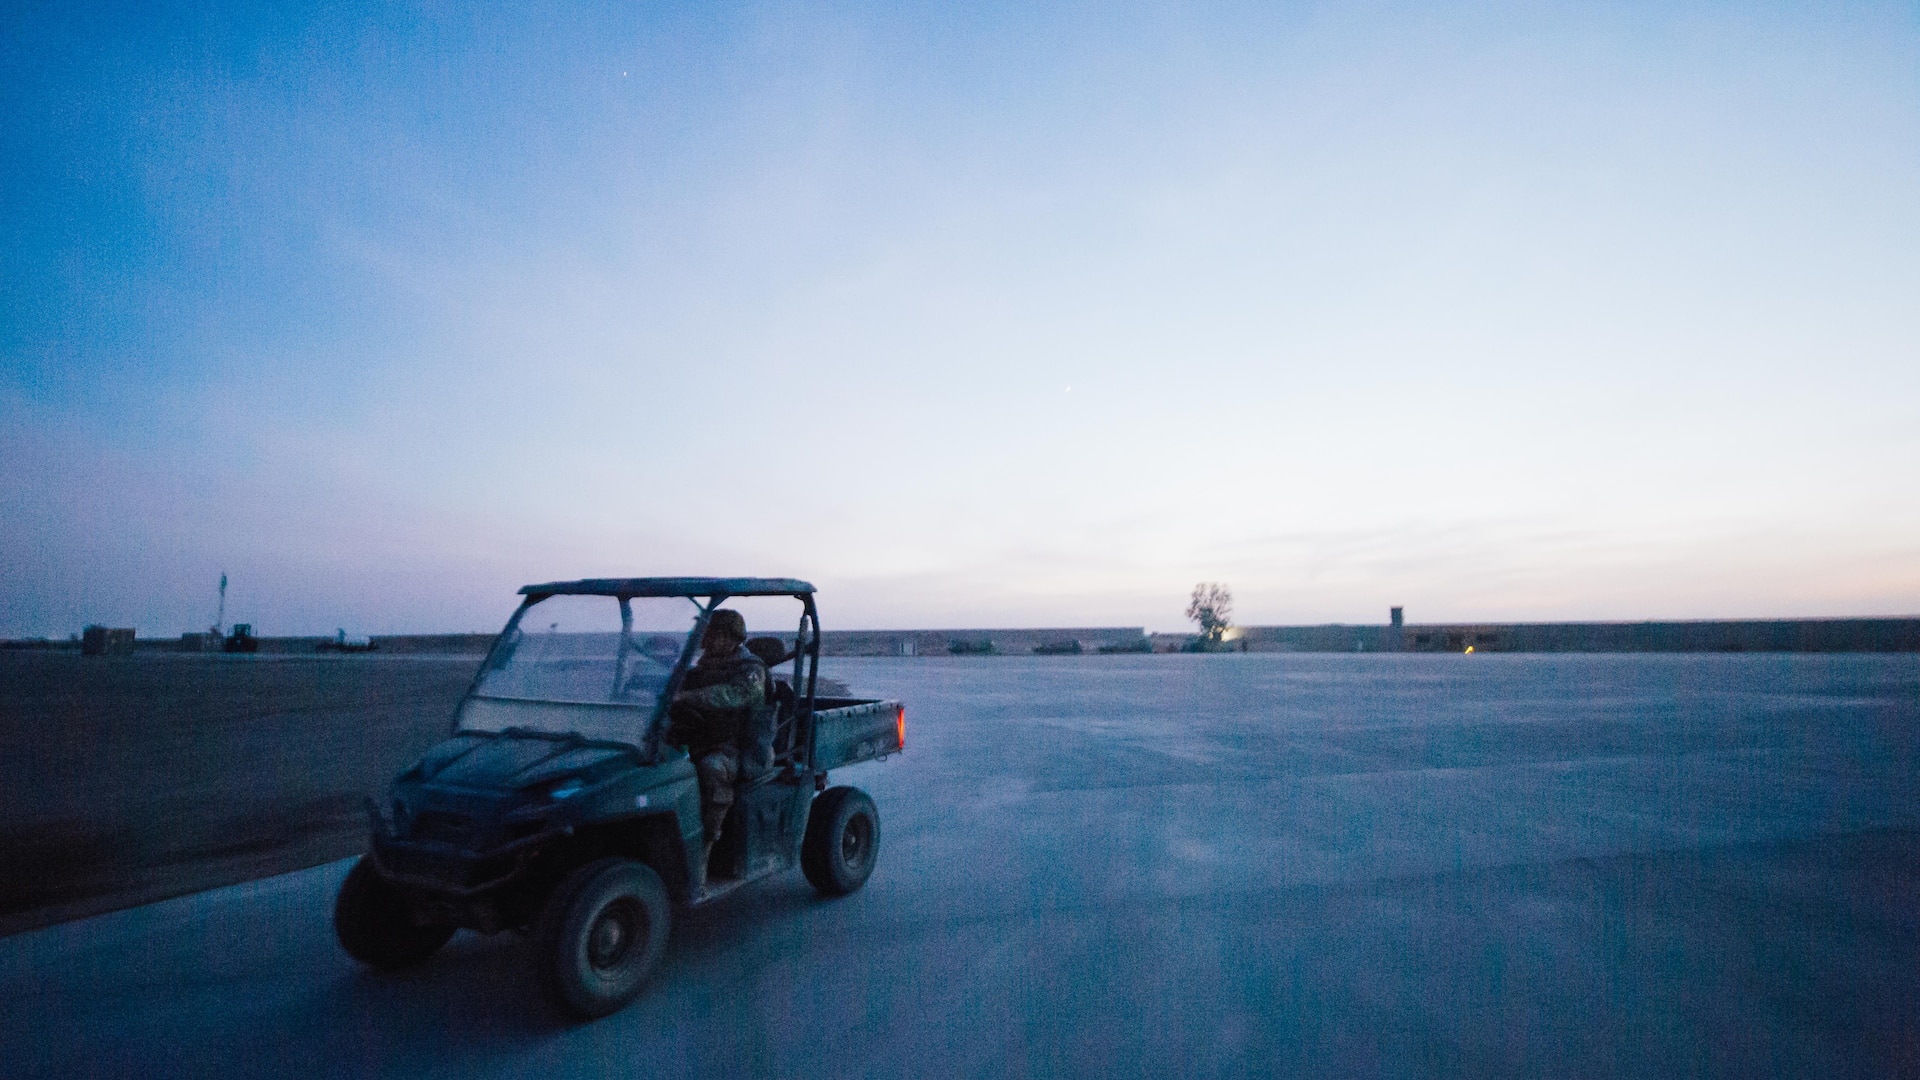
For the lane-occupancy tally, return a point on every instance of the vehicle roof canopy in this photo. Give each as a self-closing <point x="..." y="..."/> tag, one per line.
<point x="671" y="586"/>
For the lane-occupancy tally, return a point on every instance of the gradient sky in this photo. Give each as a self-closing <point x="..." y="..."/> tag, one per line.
<point x="974" y="315"/>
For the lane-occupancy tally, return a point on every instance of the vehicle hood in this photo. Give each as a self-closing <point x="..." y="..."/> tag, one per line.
<point x="510" y="761"/>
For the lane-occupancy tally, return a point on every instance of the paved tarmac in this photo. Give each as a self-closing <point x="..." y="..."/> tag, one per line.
<point x="1179" y="866"/>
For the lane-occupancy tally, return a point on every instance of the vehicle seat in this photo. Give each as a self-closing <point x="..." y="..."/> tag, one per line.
<point x="786" y="707"/>
<point x="771" y="651"/>
<point x="759" y="747"/>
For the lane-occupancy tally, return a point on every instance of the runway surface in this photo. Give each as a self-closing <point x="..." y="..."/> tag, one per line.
<point x="1178" y="866"/>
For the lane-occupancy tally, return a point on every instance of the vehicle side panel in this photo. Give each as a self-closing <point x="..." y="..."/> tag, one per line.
<point x="764" y="828"/>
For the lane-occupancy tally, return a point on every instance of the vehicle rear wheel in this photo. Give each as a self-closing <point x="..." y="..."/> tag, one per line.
<point x="600" y="935"/>
<point x="375" y="923"/>
<point x="842" y="841"/>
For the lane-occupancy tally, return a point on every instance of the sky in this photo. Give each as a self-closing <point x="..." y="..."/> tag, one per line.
<point x="972" y="315"/>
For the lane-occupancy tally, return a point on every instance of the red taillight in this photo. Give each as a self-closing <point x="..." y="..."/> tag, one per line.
<point x="900" y="726"/>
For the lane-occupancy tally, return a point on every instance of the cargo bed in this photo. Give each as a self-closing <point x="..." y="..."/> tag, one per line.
<point x="847" y="731"/>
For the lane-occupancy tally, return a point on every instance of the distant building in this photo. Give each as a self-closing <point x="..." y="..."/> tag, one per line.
<point x="1462" y="638"/>
<point x="933" y="642"/>
<point x="106" y="641"/>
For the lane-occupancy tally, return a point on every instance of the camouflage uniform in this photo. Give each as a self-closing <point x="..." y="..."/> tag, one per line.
<point x="719" y="698"/>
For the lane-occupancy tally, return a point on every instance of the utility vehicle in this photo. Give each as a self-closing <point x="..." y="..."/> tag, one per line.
<point x="556" y="808"/>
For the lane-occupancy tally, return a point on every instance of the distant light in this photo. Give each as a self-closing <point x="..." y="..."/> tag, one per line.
<point x="1469" y="648"/>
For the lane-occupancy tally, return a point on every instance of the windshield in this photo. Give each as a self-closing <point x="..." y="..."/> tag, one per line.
<point x="584" y="650"/>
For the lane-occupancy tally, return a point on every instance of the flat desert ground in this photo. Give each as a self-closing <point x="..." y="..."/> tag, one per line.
<point x="1518" y="865"/>
<point x="128" y="779"/>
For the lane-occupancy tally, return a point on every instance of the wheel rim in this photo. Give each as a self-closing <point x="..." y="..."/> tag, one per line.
<point x="615" y="934"/>
<point x="856" y="841"/>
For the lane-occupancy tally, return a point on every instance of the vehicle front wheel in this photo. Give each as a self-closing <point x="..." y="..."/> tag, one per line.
<point x="842" y="841"/>
<point x="600" y="935"/>
<point x="375" y="923"/>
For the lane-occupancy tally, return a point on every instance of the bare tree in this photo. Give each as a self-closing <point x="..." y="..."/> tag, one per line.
<point x="1212" y="608"/>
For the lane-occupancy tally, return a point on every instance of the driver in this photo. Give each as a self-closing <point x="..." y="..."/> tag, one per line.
<point x="715" y="702"/>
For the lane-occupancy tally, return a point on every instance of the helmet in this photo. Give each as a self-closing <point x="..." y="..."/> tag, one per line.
<point x="730" y="621"/>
